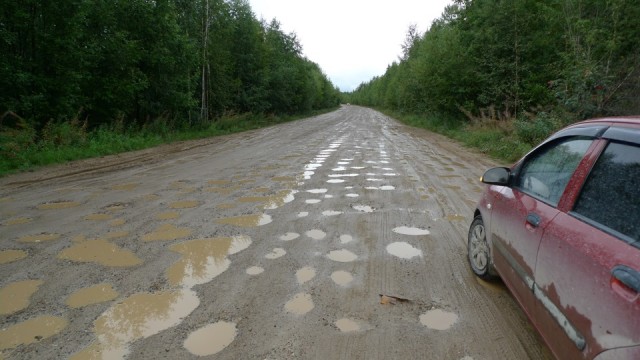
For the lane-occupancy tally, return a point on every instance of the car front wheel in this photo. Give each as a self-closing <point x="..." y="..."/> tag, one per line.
<point x="478" y="250"/>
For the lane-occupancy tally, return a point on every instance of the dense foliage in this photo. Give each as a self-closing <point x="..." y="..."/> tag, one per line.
<point x="134" y="61"/>
<point x="542" y="63"/>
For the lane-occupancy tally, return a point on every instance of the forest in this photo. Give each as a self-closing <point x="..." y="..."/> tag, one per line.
<point x="70" y="68"/>
<point x="527" y="67"/>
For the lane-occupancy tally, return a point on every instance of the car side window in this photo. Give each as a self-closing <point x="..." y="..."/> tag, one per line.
<point x="611" y="194"/>
<point x="546" y="173"/>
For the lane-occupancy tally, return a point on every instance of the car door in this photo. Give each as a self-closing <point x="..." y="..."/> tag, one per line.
<point x="522" y="212"/>
<point x="588" y="267"/>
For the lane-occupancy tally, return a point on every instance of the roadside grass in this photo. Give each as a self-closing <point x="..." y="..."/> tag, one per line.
<point x="22" y="148"/>
<point x="499" y="139"/>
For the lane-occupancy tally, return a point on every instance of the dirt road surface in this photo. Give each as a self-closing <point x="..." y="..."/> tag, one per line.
<point x="341" y="236"/>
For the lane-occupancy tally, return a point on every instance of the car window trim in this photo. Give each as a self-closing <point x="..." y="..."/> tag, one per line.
<point x="553" y="140"/>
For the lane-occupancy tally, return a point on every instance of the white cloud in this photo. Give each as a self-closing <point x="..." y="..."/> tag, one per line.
<point x="351" y="40"/>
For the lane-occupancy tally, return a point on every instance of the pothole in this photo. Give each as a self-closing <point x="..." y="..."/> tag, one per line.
<point x="305" y="274"/>
<point x="15" y="296"/>
<point x="289" y="236"/>
<point x="255" y="270"/>
<point x="413" y="231"/>
<point x="316" y="234"/>
<point x="342" y="278"/>
<point x="92" y="295"/>
<point x="437" y="319"/>
<point x="247" y="220"/>
<point x="167" y="232"/>
<point x="211" y="339"/>
<point x="300" y="304"/>
<point x="403" y="250"/>
<point x="276" y="253"/>
<point x="342" y="255"/>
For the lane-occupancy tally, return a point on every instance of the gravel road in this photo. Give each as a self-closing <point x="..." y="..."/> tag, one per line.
<point x="341" y="236"/>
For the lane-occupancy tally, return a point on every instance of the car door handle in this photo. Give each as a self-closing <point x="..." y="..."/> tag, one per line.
<point x="625" y="281"/>
<point x="533" y="220"/>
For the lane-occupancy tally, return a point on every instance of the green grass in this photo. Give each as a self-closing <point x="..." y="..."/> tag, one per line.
<point x="20" y="150"/>
<point x="499" y="142"/>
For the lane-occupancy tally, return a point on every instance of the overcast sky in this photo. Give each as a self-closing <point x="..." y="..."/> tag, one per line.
<point x="351" y="40"/>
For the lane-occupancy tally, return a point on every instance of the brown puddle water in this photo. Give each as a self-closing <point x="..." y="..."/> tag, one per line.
<point x="168" y="215"/>
<point x="284" y="179"/>
<point x="219" y="182"/>
<point x="246" y="221"/>
<point x="204" y="259"/>
<point x="138" y="316"/>
<point x="58" y="205"/>
<point x="403" y="250"/>
<point x="101" y="252"/>
<point x="316" y="234"/>
<point x="226" y="206"/>
<point x="305" y="274"/>
<point x="347" y="325"/>
<point x="274" y="201"/>
<point x="117" y="222"/>
<point x="211" y="339"/>
<point x="187" y="204"/>
<point x="343" y="255"/>
<point x="413" y="231"/>
<point x="167" y="232"/>
<point x="300" y="304"/>
<point x="438" y="319"/>
<point x="39" y="238"/>
<point x="31" y="331"/>
<point x="342" y="278"/>
<point x="125" y="187"/>
<point x="255" y="270"/>
<point x="15" y="296"/>
<point x="98" y="217"/>
<point x="7" y="256"/>
<point x="18" y="221"/>
<point x="92" y="295"/>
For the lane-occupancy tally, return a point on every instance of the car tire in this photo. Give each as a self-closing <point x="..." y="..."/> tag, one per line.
<point x="478" y="251"/>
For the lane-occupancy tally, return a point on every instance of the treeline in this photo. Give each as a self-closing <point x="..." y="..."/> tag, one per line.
<point x="134" y="61"/>
<point x="553" y="61"/>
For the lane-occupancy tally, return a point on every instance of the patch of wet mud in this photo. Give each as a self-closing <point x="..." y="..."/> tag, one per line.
<point x="167" y="232"/>
<point x="300" y="304"/>
<point x="211" y="339"/>
<point x="16" y="296"/>
<point x="92" y="295"/>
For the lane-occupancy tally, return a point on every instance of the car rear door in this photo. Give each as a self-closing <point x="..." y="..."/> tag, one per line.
<point x="522" y="212"/>
<point x="587" y="276"/>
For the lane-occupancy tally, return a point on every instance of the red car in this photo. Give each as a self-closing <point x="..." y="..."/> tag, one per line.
<point x="562" y="229"/>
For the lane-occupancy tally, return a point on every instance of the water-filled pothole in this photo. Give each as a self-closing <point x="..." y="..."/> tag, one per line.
<point x="403" y="250"/>
<point x="300" y="304"/>
<point x="437" y="319"/>
<point x="211" y="339"/>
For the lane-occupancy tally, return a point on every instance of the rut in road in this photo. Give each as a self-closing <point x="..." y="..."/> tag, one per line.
<point x="341" y="236"/>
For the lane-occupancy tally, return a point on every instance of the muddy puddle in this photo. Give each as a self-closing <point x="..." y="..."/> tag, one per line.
<point x="39" y="238"/>
<point x="303" y="214"/>
<point x="437" y="319"/>
<point x="289" y="236"/>
<point x="317" y="191"/>
<point x="58" y="205"/>
<point x="16" y="296"/>
<point x="300" y="304"/>
<point x="312" y="201"/>
<point x="342" y="255"/>
<point x="412" y="231"/>
<point x="186" y="204"/>
<point x="342" y="278"/>
<point x="136" y="317"/>
<point x="92" y="295"/>
<point x="305" y="274"/>
<point x="31" y="331"/>
<point x="403" y="250"/>
<point x="167" y="232"/>
<point x="101" y="252"/>
<point x="331" y="213"/>
<point x="455" y="217"/>
<point x="345" y="239"/>
<point x="211" y="339"/>
<point x="246" y="221"/>
<point x="167" y="215"/>
<point x="271" y="202"/>
<point x="18" y="221"/>
<point x="351" y="195"/>
<point x="347" y="325"/>
<point x="203" y="259"/>
<point x="316" y="234"/>
<point x="363" y="208"/>
<point x="8" y="256"/>
<point x="255" y="270"/>
<point x="275" y="254"/>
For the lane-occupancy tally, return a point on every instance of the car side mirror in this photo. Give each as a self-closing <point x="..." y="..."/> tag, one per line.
<point x="497" y="176"/>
